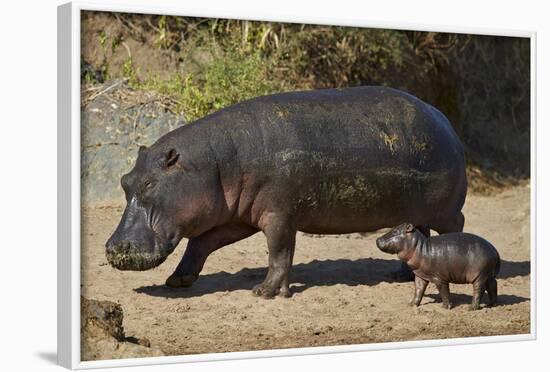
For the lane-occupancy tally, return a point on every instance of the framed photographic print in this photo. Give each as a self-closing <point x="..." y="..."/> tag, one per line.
<point x="242" y="187"/>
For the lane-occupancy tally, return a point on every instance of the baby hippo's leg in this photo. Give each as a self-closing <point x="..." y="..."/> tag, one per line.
<point x="479" y="289"/>
<point x="419" y="289"/>
<point x="444" y="292"/>
<point x="491" y="288"/>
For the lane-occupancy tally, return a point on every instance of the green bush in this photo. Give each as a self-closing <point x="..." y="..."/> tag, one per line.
<point x="232" y="78"/>
<point x="235" y="78"/>
<point x="247" y="59"/>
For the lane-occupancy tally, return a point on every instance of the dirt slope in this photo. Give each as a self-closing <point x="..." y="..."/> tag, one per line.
<point x="342" y="291"/>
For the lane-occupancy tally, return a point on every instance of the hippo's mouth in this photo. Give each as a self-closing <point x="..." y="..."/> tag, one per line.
<point x="126" y="258"/>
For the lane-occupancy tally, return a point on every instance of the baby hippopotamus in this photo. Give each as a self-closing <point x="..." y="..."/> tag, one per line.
<point x="449" y="258"/>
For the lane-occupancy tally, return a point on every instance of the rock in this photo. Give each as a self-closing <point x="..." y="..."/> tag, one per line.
<point x="104" y="317"/>
<point x="102" y="334"/>
<point x="115" y="121"/>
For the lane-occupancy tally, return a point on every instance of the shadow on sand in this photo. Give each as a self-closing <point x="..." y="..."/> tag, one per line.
<point x="462" y="299"/>
<point x="365" y="271"/>
<point x="510" y="269"/>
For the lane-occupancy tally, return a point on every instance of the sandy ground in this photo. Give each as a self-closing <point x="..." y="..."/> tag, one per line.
<point x="342" y="291"/>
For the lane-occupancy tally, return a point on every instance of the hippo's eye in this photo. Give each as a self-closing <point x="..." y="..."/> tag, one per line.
<point x="148" y="184"/>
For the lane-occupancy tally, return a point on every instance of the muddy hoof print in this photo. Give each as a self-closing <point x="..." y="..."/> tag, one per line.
<point x="185" y="281"/>
<point x="262" y="290"/>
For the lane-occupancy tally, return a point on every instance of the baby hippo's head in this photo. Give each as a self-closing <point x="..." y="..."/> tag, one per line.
<point x="397" y="239"/>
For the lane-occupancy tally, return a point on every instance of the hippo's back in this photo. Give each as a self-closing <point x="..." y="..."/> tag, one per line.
<point x="374" y="127"/>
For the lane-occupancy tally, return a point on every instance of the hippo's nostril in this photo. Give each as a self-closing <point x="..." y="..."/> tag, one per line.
<point x="125" y="245"/>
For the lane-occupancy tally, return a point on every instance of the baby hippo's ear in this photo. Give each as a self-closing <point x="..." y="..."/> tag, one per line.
<point x="409" y="228"/>
<point x="169" y="159"/>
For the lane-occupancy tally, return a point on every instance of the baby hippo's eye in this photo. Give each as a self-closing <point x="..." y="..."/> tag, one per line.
<point x="148" y="184"/>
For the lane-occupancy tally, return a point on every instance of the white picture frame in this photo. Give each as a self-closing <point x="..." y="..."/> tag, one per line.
<point x="69" y="187"/>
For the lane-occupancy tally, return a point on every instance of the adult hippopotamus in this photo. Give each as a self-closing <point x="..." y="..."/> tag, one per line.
<point x="325" y="162"/>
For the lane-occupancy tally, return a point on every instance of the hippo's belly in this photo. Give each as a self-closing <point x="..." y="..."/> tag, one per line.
<point x="367" y="201"/>
<point x="360" y="201"/>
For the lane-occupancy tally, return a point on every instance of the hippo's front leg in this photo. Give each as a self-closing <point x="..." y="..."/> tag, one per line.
<point x="281" y="240"/>
<point x="200" y="247"/>
<point x="419" y="289"/>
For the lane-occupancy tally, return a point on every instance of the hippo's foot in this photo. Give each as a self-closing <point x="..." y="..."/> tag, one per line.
<point x="265" y="290"/>
<point x="447" y="305"/>
<point x="268" y="291"/>
<point x="285" y="292"/>
<point x="180" y="281"/>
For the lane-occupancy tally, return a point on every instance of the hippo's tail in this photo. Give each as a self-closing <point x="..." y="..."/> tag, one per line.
<point x="497" y="266"/>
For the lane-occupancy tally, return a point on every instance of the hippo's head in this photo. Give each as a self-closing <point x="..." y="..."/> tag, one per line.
<point x="397" y="239"/>
<point x="167" y="199"/>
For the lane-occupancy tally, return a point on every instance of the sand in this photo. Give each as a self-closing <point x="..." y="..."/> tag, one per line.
<point x="342" y="291"/>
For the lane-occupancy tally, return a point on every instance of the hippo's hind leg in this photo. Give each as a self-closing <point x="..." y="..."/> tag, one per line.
<point x="281" y="240"/>
<point x="491" y="288"/>
<point x="200" y="247"/>
<point x="445" y="294"/>
<point x="479" y="290"/>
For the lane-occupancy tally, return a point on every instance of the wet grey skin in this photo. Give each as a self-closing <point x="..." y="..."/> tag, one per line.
<point x="449" y="258"/>
<point x="325" y="161"/>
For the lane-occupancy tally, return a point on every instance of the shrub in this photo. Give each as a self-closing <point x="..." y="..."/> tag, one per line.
<point x="235" y="77"/>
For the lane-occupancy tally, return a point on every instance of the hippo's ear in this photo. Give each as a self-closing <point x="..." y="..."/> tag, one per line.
<point x="169" y="159"/>
<point x="142" y="149"/>
<point x="409" y="228"/>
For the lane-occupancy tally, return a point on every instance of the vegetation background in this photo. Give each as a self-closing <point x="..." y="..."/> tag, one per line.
<point x="194" y="66"/>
